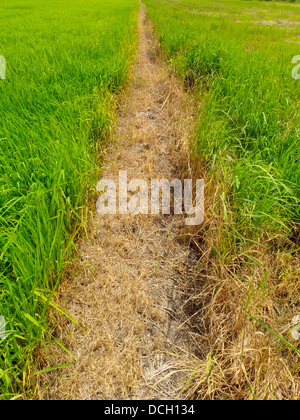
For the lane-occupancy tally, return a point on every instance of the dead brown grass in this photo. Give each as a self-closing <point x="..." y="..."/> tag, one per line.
<point x="126" y="289"/>
<point x="244" y="360"/>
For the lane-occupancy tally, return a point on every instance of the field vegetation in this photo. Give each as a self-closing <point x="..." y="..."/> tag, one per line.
<point x="66" y="61"/>
<point x="235" y="57"/>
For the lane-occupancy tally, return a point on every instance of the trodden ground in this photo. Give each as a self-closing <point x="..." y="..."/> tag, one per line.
<point x="127" y="288"/>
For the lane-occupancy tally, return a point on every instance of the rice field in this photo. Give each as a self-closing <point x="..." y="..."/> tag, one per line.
<point x="64" y="66"/>
<point x="236" y="57"/>
<point x="65" y="63"/>
<point x="249" y="122"/>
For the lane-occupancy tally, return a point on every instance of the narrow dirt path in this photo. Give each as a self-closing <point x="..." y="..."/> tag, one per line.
<point x="126" y="291"/>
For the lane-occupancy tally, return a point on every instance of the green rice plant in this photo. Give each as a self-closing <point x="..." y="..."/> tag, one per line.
<point x="65" y="62"/>
<point x="249" y="119"/>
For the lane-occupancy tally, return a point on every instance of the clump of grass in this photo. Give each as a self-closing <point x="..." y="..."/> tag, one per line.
<point x="237" y="62"/>
<point x="66" y="61"/>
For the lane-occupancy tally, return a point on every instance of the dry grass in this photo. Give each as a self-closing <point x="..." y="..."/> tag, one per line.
<point x="126" y="289"/>
<point x="244" y="360"/>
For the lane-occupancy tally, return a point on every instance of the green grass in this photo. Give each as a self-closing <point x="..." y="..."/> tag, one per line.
<point x="66" y="60"/>
<point x="249" y="123"/>
<point x="235" y="57"/>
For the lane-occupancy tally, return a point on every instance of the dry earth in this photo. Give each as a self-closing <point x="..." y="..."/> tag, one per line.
<point x="127" y="289"/>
